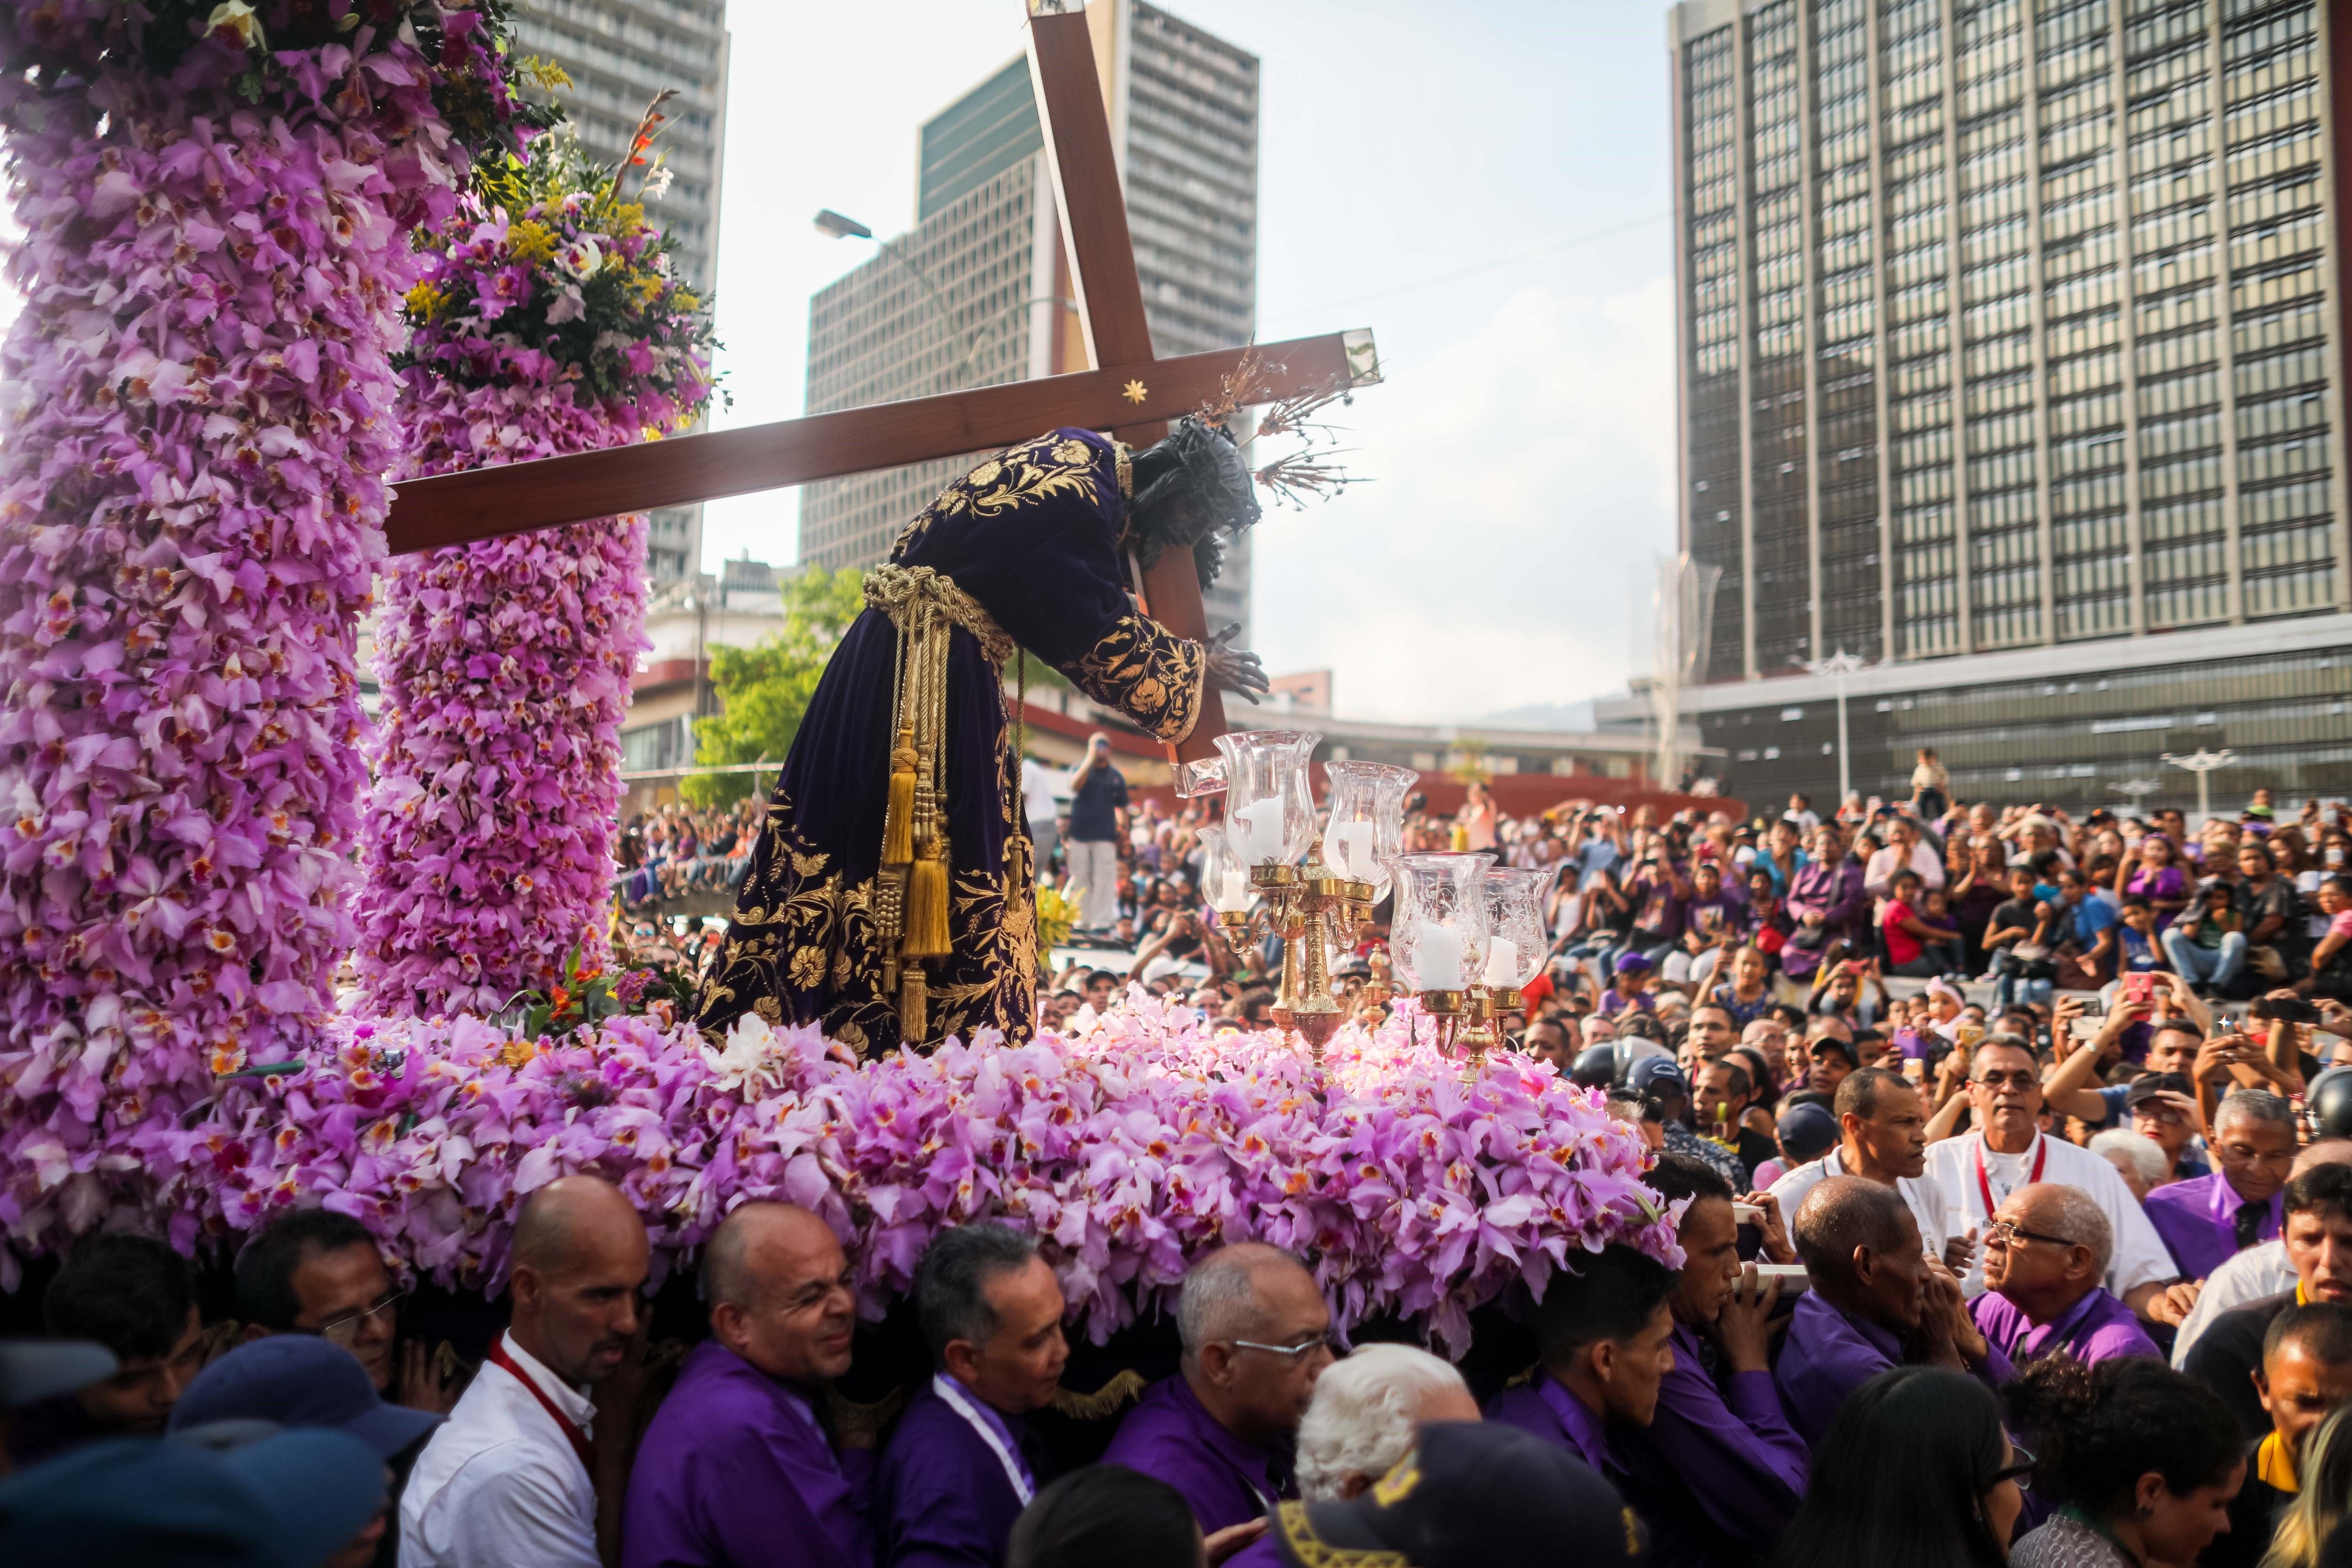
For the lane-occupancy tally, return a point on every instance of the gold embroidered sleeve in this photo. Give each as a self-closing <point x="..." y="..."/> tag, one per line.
<point x="1148" y="673"/>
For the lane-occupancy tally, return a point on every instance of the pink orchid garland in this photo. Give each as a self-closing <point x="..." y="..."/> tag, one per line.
<point x="546" y="324"/>
<point x="198" y="415"/>
<point x="1415" y="1194"/>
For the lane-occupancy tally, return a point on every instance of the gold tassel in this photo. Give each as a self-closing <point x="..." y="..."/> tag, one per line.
<point x="913" y="1027"/>
<point x="926" y="902"/>
<point x="899" y="825"/>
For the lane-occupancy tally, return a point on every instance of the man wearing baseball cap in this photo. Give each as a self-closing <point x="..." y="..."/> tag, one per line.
<point x="301" y="1380"/>
<point x="1469" y="1495"/>
<point x="1658" y="1081"/>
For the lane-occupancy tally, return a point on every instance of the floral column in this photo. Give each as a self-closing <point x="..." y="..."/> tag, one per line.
<point x="548" y="321"/>
<point x="216" y="201"/>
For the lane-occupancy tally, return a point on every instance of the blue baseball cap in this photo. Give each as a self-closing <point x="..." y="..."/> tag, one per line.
<point x="299" y="1379"/>
<point x="287" y="1501"/>
<point x="1657" y="1075"/>
<point x="1807" y="1132"/>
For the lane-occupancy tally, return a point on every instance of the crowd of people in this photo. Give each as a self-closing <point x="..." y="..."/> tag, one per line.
<point x="2059" y="1276"/>
<point x="676" y="849"/>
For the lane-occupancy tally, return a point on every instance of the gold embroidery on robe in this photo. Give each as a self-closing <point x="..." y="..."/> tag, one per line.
<point x="1148" y="673"/>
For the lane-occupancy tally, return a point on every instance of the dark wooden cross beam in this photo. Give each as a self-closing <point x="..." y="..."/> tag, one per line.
<point x="1129" y="392"/>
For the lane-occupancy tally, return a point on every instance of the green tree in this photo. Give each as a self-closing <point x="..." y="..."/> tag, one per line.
<point x="764" y="689"/>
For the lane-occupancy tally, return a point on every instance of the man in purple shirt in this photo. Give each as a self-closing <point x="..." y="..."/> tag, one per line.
<point x="1875" y="1302"/>
<point x="736" y="1470"/>
<point x="1602" y="1332"/>
<point x="2208" y="1220"/>
<point x="1256" y="1334"/>
<point x="1717" y="1471"/>
<point x="960" y="1467"/>
<point x="2045" y="1253"/>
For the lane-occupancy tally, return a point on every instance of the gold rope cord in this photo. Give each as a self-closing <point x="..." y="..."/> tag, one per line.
<point x="912" y="890"/>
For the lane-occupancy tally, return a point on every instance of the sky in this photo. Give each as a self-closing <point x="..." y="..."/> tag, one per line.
<point x="1486" y="186"/>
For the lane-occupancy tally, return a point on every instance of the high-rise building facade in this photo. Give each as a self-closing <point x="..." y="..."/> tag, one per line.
<point x="976" y="292"/>
<point x="619" y="55"/>
<point x="2012" y="353"/>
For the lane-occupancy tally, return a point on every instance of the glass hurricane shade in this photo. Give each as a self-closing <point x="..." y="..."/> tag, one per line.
<point x="1269" y="815"/>
<point x="1515" y="938"/>
<point x="1438" y="938"/>
<point x="1224" y="875"/>
<point x="1365" y="831"/>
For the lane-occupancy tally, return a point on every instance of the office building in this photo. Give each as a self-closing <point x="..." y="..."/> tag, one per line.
<point x="619" y="55"/>
<point x="976" y="292"/>
<point x="2011" y="352"/>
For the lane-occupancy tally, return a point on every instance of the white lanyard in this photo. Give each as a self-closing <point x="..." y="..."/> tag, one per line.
<point x="946" y="1388"/>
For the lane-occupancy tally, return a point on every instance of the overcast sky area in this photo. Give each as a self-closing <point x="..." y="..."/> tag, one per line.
<point x="1486" y="186"/>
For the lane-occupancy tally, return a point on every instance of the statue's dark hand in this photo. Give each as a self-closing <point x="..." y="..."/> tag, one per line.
<point x="1232" y="669"/>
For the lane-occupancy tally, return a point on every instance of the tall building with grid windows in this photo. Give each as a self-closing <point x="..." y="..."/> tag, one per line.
<point x="978" y="292"/>
<point x="619" y="54"/>
<point x="2012" y="353"/>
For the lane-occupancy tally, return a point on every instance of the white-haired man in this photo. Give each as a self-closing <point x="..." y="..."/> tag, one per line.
<point x="1222" y="1431"/>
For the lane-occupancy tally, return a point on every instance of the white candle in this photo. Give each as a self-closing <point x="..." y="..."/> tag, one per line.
<point x="1257" y="831"/>
<point x="1437" y="957"/>
<point x="1236" y="894"/>
<point x="1502" y="963"/>
<point x="1347" y="845"/>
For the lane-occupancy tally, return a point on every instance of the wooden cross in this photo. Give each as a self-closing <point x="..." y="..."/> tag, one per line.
<point x="516" y="498"/>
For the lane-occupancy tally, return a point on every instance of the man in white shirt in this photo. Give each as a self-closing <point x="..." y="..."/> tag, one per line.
<point x="1979" y="1169"/>
<point x="2258" y="1271"/>
<point x="511" y="1480"/>
<point x="1882" y="1138"/>
<point x="1904" y="847"/>
<point x="1039" y="786"/>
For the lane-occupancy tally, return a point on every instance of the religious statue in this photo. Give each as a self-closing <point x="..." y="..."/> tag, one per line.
<point x="888" y="898"/>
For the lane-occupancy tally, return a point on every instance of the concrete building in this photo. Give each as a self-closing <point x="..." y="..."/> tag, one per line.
<point x="619" y="55"/>
<point x="2012" y="354"/>
<point x="978" y="292"/>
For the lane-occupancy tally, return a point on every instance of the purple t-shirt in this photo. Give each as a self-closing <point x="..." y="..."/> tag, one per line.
<point x="2095" y="1329"/>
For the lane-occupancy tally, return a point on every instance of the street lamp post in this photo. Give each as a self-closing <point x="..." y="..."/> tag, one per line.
<point x="1840" y="666"/>
<point x="836" y="225"/>
<point x="2139" y="789"/>
<point x="2202" y="763"/>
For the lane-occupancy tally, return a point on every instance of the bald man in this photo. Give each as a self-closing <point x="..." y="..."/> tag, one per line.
<point x="737" y="1471"/>
<point x="512" y="1476"/>
<point x="1223" y="1430"/>
<point x="1875" y="1301"/>
<point x="2044" y="1256"/>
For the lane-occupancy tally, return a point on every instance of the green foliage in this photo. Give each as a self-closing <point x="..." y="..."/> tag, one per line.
<point x="763" y="690"/>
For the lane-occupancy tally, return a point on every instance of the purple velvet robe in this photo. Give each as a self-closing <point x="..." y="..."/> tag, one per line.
<point x="1719" y="1472"/>
<point x="1833" y="892"/>
<point x="941" y="1495"/>
<point x="2092" y="1329"/>
<point x="1169" y="1434"/>
<point x="1828" y="1354"/>
<point x="1550" y="1411"/>
<point x="2198" y="1220"/>
<point x="1032" y="537"/>
<point x="734" y="1472"/>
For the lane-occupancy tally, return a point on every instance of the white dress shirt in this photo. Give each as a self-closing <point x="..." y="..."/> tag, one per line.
<point x="2257" y="1272"/>
<point x="2140" y="1257"/>
<point x="1924" y="1197"/>
<point x="1878" y="874"/>
<point x="500" y="1485"/>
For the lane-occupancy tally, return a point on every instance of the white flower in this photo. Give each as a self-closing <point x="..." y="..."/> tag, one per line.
<point x="657" y="183"/>
<point x="755" y="1054"/>
<point x="237" y="17"/>
<point x="581" y="259"/>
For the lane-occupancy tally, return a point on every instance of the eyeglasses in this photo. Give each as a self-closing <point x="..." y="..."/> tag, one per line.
<point x="1290" y="1353"/>
<point x="2018" y="1468"/>
<point x="2006" y="1234"/>
<point x="346" y="1328"/>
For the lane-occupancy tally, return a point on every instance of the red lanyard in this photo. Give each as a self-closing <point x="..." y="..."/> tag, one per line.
<point x="1984" y="1187"/>
<point x="572" y="1429"/>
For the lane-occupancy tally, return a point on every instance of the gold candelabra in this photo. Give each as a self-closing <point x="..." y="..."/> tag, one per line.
<point x="1308" y="907"/>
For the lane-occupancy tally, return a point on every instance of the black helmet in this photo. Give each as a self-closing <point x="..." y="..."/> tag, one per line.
<point x="2328" y="1103"/>
<point x="1596" y="1068"/>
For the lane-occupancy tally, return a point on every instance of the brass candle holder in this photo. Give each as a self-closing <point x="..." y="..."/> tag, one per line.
<point x="1308" y="908"/>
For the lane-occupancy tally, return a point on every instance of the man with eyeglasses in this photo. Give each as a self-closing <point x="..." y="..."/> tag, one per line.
<point x="738" y="1467"/>
<point x="132" y="1295"/>
<point x="2043" y="1258"/>
<point x="319" y="1272"/>
<point x="1256" y="1334"/>
<point x="2008" y="1150"/>
<point x="2229" y="1352"/>
<point x="2208" y="1220"/>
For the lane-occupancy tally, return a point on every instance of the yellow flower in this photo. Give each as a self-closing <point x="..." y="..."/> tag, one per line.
<point x="624" y="218"/>
<point x="530" y="240"/>
<point x="650" y="288"/>
<point x="686" y="302"/>
<point x="424" y="299"/>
